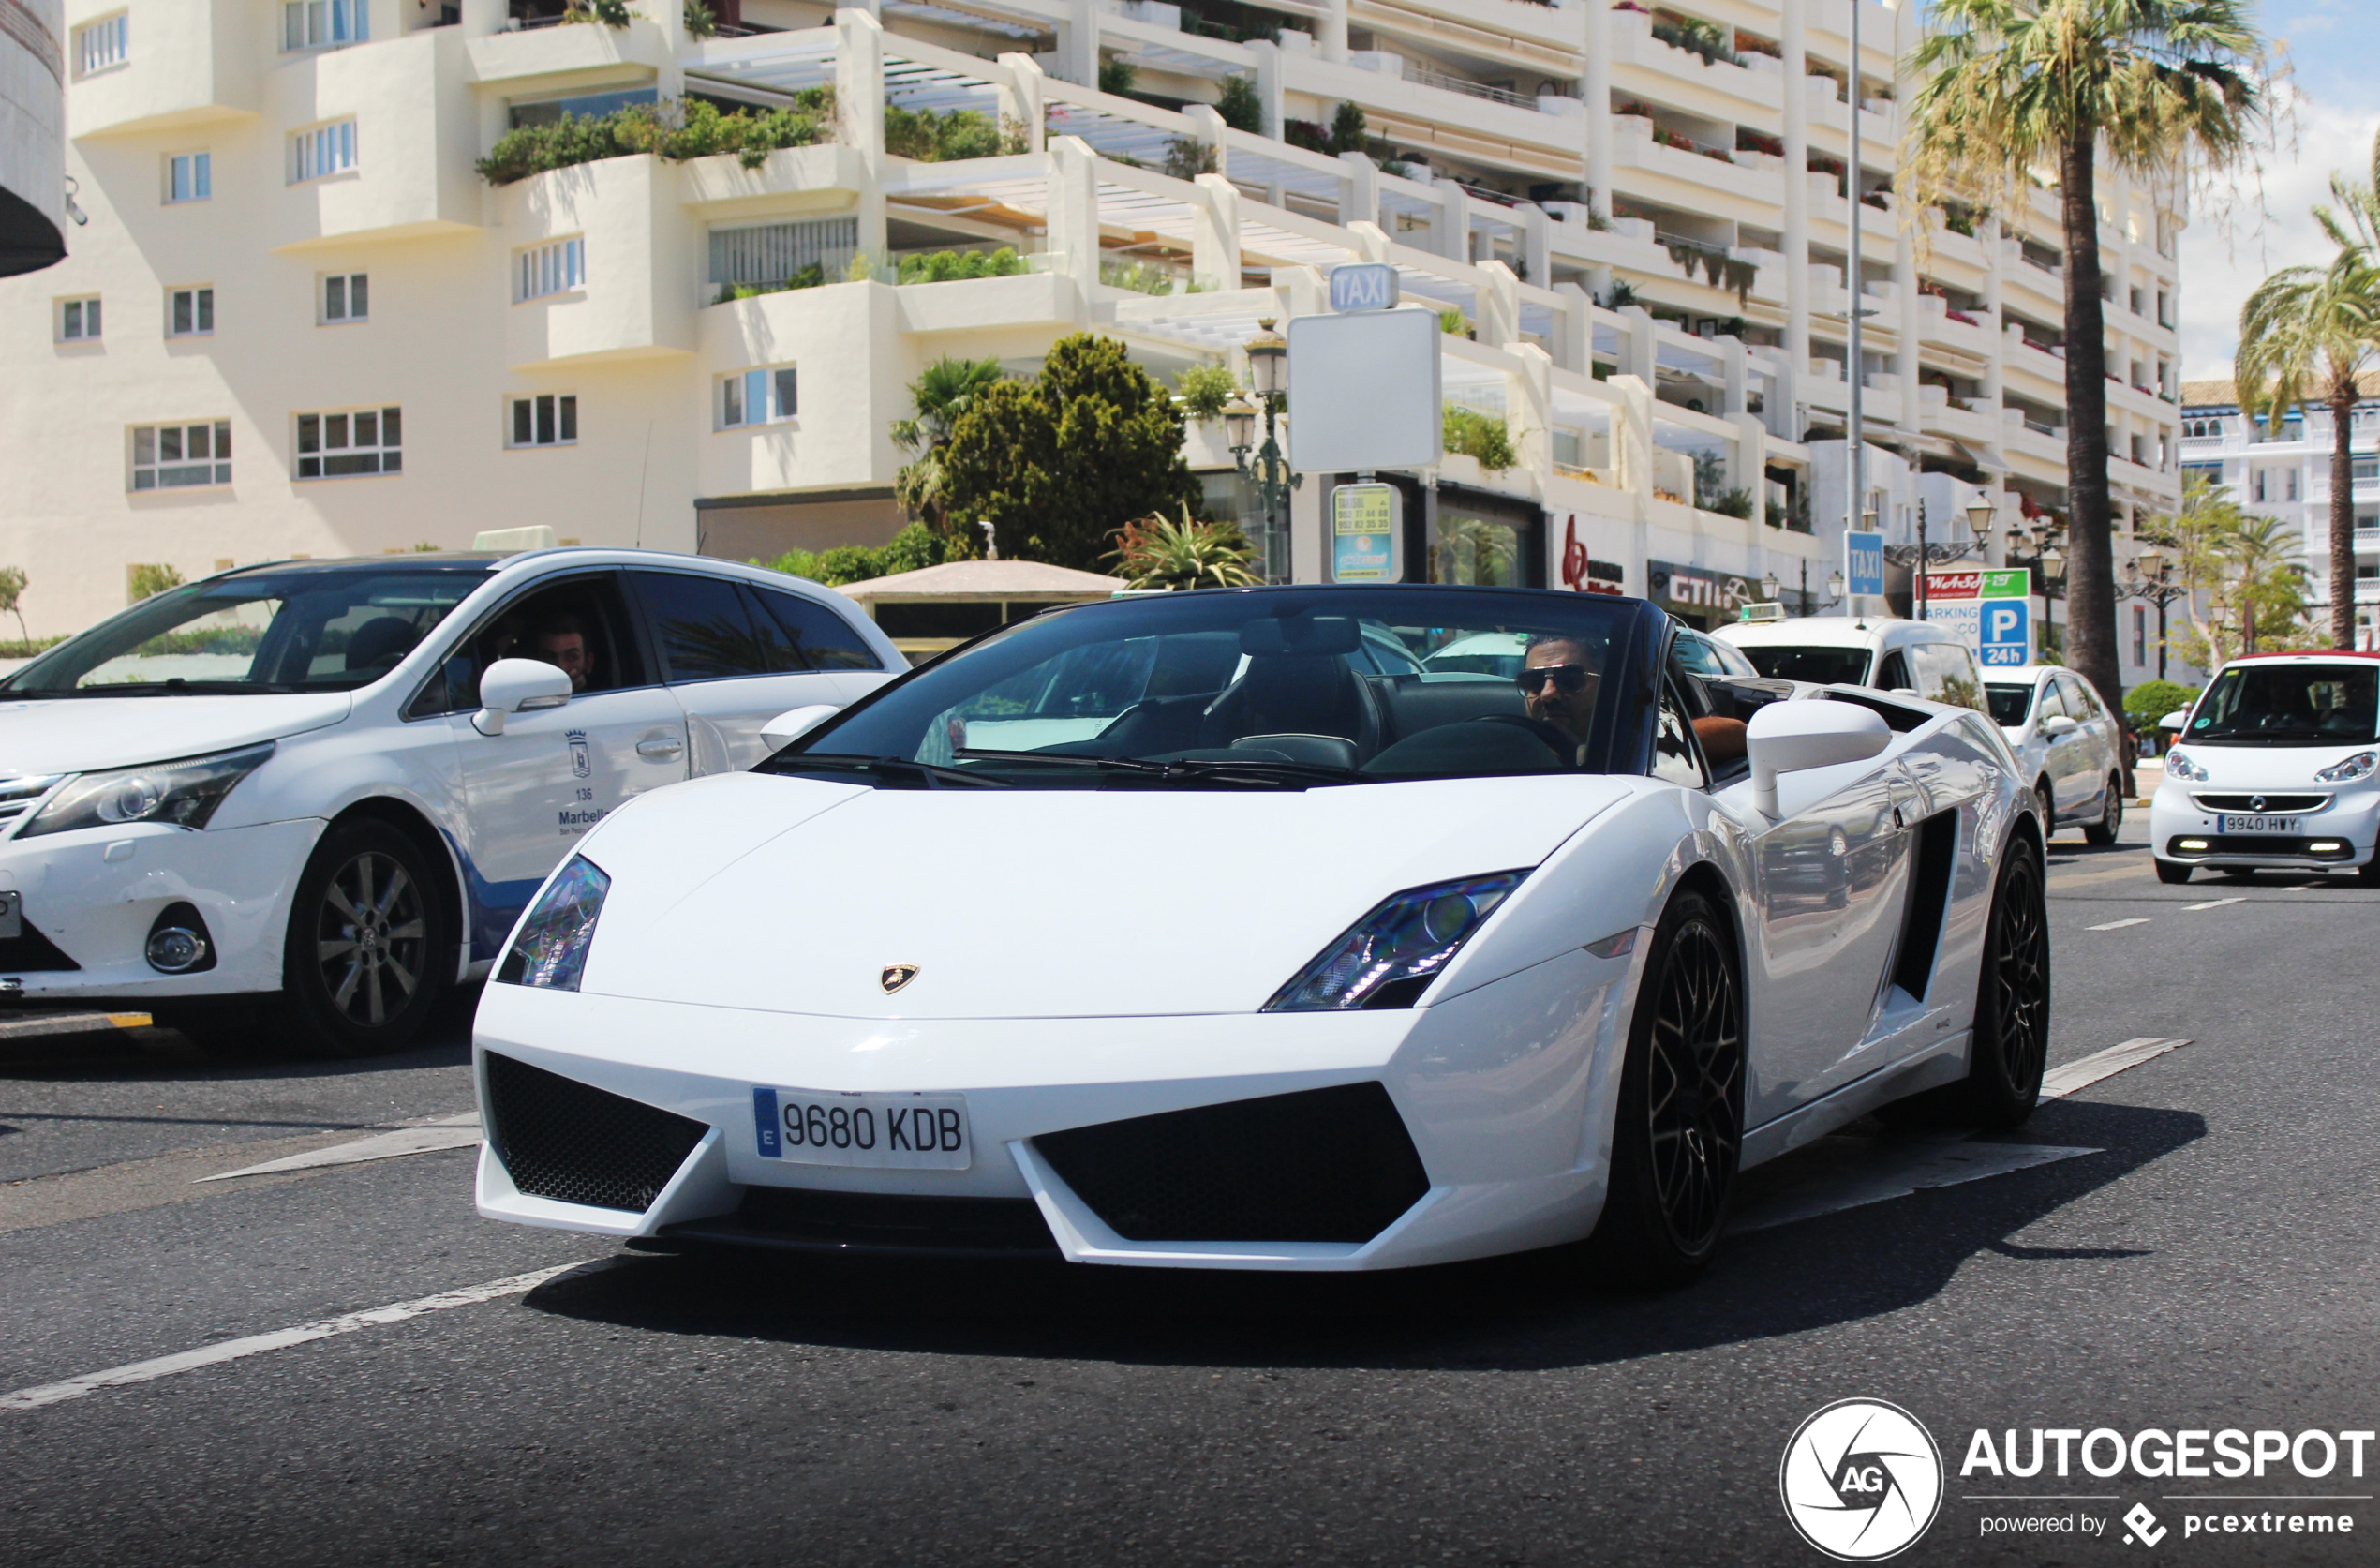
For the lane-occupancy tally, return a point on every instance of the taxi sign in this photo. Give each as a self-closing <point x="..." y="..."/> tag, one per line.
<point x="1364" y="285"/>
<point x="1863" y="564"/>
<point x="1367" y="541"/>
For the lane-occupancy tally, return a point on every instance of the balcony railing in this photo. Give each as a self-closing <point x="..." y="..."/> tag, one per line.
<point x="1469" y="89"/>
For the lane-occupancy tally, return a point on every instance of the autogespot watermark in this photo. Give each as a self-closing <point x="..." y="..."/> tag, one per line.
<point x="1862" y="1479"/>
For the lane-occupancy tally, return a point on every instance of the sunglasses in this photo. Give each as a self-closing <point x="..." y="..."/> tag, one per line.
<point x="1566" y="678"/>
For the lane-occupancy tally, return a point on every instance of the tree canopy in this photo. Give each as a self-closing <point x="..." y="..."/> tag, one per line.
<point x="1059" y="463"/>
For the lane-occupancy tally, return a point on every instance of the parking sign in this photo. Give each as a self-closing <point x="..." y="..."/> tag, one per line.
<point x="2006" y="631"/>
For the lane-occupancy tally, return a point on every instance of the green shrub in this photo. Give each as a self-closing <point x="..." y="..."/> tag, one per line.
<point x="680" y="129"/>
<point x="2152" y="700"/>
<point x="1140" y="276"/>
<point x="950" y="266"/>
<point x="1239" y="105"/>
<point x="945" y="137"/>
<point x="1187" y="158"/>
<point x="1347" y="128"/>
<point x="1482" y="437"/>
<point x="810" y="276"/>
<point x="1204" y="389"/>
<point x="911" y="549"/>
<point x="1117" y="75"/>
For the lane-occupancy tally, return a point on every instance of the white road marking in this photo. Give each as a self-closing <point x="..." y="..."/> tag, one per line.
<point x="458" y="1131"/>
<point x="2119" y="925"/>
<point x="2214" y="904"/>
<point x="2058" y="1082"/>
<point x="1896" y="1171"/>
<point x="256" y="1344"/>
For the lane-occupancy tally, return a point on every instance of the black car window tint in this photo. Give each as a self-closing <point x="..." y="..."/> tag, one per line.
<point x="530" y="627"/>
<point x="2053" y="702"/>
<point x="702" y="626"/>
<point x="1893" y="675"/>
<point x="821" y="640"/>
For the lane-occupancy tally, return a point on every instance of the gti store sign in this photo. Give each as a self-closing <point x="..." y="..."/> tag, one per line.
<point x="1988" y="608"/>
<point x="1862" y="1479"/>
<point x="1701" y="595"/>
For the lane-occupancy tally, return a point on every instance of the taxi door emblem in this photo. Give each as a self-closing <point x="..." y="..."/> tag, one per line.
<point x="581" y="762"/>
<point x="896" y="976"/>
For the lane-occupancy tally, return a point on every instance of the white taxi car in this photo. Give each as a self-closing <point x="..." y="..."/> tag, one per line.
<point x="2274" y="770"/>
<point x="309" y="795"/>
<point x="2066" y="742"/>
<point x="1883" y="651"/>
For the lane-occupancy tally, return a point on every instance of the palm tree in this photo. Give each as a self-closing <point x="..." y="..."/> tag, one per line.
<point x="2305" y="335"/>
<point x="2012" y="85"/>
<point x="944" y="391"/>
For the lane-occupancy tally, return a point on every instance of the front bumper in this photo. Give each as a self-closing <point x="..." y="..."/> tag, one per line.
<point x="1505" y="1093"/>
<point x="2349" y="820"/>
<point x="93" y="893"/>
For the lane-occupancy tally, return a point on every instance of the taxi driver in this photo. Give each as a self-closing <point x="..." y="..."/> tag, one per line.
<point x="562" y="643"/>
<point x="1558" y="684"/>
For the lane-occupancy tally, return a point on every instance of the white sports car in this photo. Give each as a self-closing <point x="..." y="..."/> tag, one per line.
<point x="1283" y="964"/>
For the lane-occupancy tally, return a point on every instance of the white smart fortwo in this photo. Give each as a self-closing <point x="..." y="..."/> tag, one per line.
<point x="1277" y="963"/>
<point x="2277" y="767"/>
<point x="298" y="800"/>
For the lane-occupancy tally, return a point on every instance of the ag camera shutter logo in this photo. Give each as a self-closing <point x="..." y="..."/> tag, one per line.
<point x="1861" y="1480"/>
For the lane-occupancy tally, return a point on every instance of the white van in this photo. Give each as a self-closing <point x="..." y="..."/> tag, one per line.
<point x="1883" y="651"/>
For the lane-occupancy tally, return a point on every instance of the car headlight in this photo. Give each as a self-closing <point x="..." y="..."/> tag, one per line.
<point x="1390" y="957"/>
<point x="2179" y="766"/>
<point x="2356" y="767"/>
<point x="551" y="949"/>
<point x="183" y="794"/>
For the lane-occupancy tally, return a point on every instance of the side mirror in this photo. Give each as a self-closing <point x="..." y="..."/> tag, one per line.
<point x="792" y="724"/>
<point x="517" y="686"/>
<point x="2175" y="720"/>
<point x="2060" y="724"/>
<point x="1791" y="737"/>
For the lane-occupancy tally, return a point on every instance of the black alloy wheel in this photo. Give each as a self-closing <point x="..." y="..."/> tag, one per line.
<point x="2011" y="1044"/>
<point x="2111" y="820"/>
<point x="367" y="947"/>
<point x="1680" y="1128"/>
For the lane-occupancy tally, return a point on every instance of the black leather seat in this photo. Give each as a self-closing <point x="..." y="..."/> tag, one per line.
<point x="379" y="642"/>
<point x="1294" y="694"/>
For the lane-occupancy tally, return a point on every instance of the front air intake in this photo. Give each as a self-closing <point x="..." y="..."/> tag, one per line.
<point x="1333" y="1165"/>
<point x="575" y="1143"/>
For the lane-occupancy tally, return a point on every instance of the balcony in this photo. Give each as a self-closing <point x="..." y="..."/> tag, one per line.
<point x="416" y="134"/>
<point x="637" y="296"/>
<point x="187" y="64"/>
<point x="525" y="58"/>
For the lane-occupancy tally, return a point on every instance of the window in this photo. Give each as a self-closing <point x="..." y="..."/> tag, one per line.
<point x="816" y="638"/>
<point x="585" y="106"/>
<point x="189" y="312"/>
<point x="704" y="627"/>
<point x="2139" y="635"/>
<point x="756" y="397"/>
<point x="1674" y="758"/>
<point x="99" y="46"/>
<point x="190" y="177"/>
<point x="548" y="419"/>
<point x="2360" y="468"/>
<point x="324" y="24"/>
<point x="2289" y="482"/>
<point x="581" y="620"/>
<point x="1946" y="673"/>
<point x="558" y="268"/>
<point x="339" y="445"/>
<point x="324" y="151"/>
<point x="77" y="320"/>
<point x="2256" y="485"/>
<point x="1893" y="674"/>
<point x="347" y="296"/>
<point x="175" y="457"/>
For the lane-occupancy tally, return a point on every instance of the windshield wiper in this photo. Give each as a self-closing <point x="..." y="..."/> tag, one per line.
<point x="935" y="774"/>
<point x="1257" y="766"/>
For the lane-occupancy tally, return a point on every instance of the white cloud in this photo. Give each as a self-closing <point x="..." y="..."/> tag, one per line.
<point x="2220" y="271"/>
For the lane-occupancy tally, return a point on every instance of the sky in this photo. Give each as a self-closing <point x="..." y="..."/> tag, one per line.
<point x="2333" y="49"/>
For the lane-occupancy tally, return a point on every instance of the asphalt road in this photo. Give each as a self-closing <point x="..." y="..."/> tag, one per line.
<point x="2211" y="1266"/>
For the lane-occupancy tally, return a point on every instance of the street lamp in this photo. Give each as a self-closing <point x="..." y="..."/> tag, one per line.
<point x="1771" y="588"/>
<point x="1925" y="553"/>
<point x="1269" y="379"/>
<point x="2039" y="543"/>
<point x="2148" y="578"/>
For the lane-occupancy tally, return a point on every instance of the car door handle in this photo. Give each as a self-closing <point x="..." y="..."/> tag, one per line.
<point x="667" y="748"/>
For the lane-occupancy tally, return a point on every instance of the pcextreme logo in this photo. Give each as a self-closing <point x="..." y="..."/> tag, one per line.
<point x="1862" y="1479"/>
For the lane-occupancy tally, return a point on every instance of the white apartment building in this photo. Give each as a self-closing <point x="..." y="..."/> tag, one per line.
<point x="299" y="324"/>
<point x="2284" y="472"/>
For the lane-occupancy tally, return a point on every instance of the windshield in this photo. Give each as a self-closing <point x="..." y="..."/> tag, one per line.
<point x="2289" y="705"/>
<point x="1821" y="666"/>
<point x="1254" y="689"/>
<point x="2009" y="704"/>
<point x="287" y="629"/>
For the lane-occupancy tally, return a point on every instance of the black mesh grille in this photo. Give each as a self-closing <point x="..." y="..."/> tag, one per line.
<point x="815" y="1220"/>
<point x="575" y="1143"/>
<point x="1323" y="1165"/>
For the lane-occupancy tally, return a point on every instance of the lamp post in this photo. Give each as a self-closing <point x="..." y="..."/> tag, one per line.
<point x="2039" y="543"/>
<point x="1269" y="379"/>
<point x="1925" y="552"/>
<point x="1771" y="589"/>
<point x="2147" y="577"/>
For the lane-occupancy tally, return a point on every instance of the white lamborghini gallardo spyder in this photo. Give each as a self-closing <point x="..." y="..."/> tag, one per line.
<point x="1169" y="930"/>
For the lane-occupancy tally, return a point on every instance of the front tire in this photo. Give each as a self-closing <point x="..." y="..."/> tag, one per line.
<point x="2111" y="820"/>
<point x="367" y="950"/>
<point x="2011" y="1042"/>
<point x="2046" y="803"/>
<point x="1679" y="1128"/>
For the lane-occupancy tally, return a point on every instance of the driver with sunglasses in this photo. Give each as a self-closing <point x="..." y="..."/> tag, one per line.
<point x="1558" y="684"/>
